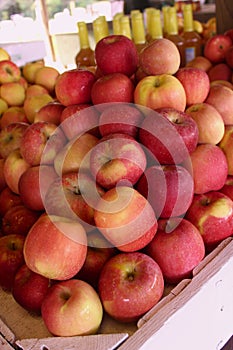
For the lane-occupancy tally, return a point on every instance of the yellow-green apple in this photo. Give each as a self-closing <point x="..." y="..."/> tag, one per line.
<point x="216" y="46"/>
<point x="75" y="154"/>
<point x="8" y="199"/>
<point x="168" y="188"/>
<point x="196" y="84"/>
<point x="13" y="93"/>
<point x="75" y="196"/>
<point x="41" y="142"/>
<point x="209" y="122"/>
<point x="221" y="97"/>
<point x="3" y="107"/>
<point x="18" y="220"/>
<point x="114" y="87"/>
<point x="226" y="145"/>
<point x="71" y="244"/>
<point x="116" y="54"/>
<point x="155" y="60"/>
<point x="211" y="157"/>
<point x="99" y="251"/>
<point x="29" y="289"/>
<point x="50" y="112"/>
<point x="14" y="166"/>
<point x="212" y="214"/>
<point x="35" y="89"/>
<point x="125" y="218"/>
<point x="229" y="56"/>
<point x="13" y="114"/>
<point x="72" y="308"/>
<point x="46" y="76"/>
<point x="11" y="258"/>
<point x="38" y="178"/>
<point x="2" y="177"/>
<point x="74" y="86"/>
<point x="117" y="159"/>
<point x="220" y="71"/>
<point x="124" y="280"/>
<point x="120" y="118"/>
<point x="29" y="70"/>
<point x="200" y="62"/>
<point x="9" y="72"/>
<point x="178" y="248"/>
<point x="158" y="91"/>
<point x="4" y="54"/>
<point x="34" y="103"/>
<point x="227" y="188"/>
<point x="169" y="134"/>
<point x="79" y="118"/>
<point x="10" y="137"/>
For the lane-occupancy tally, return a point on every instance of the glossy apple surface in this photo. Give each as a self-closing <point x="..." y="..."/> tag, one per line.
<point x="216" y="47"/>
<point x="9" y="72"/>
<point x="10" y="137"/>
<point x="8" y="199"/>
<point x="226" y="146"/>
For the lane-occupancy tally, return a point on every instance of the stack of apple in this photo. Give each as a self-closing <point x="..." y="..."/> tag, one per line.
<point x="114" y="181"/>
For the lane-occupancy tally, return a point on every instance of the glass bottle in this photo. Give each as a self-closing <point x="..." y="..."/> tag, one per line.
<point x="155" y="29"/>
<point x="138" y="30"/>
<point x="116" y="27"/>
<point x="100" y="28"/>
<point x="192" y="40"/>
<point x="165" y="9"/>
<point x="125" y="26"/>
<point x="85" y="57"/>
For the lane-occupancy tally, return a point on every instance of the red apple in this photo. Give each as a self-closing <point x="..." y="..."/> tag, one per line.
<point x="130" y="284"/>
<point x="220" y="71"/>
<point x="212" y="214"/>
<point x="125" y="218"/>
<point x="66" y="260"/>
<point x="72" y="308"/>
<point x="74" y="86"/>
<point x="200" y="62"/>
<point x="222" y="82"/>
<point x="13" y="114"/>
<point x="117" y="158"/>
<point x="11" y="258"/>
<point x="116" y="54"/>
<point x="10" y="137"/>
<point x="8" y="199"/>
<point x="229" y="32"/>
<point x="50" y="112"/>
<point x="196" y="84"/>
<point x="159" y="91"/>
<point x="9" y="72"/>
<point x="177" y="247"/>
<point x="216" y="46"/>
<point x="229" y="56"/>
<point x="226" y="146"/>
<point x="160" y="56"/>
<point x="210" y="168"/>
<point x="227" y="188"/>
<point x="29" y="289"/>
<point x="2" y="177"/>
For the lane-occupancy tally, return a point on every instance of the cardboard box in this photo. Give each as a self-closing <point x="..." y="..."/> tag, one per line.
<point x="196" y="314"/>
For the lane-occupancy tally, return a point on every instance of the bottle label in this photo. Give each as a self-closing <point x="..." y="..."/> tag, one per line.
<point x="189" y="54"/>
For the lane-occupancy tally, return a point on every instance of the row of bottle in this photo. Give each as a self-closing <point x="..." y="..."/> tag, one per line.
<point x="143" y="28"/>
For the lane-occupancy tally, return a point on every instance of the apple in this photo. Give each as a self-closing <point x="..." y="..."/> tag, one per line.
<point x="8" y="199"/>
<point x="229" y="32"/>
<point x="74" y="86"/>
<point x="227" y="188"/>
<point x="220" y="71"/>
<point x="226" y="146"/>
<point x="158" y="91"/>
<point x="178" y="248"/>
<point x="66" y="260"/>
<point x="3" y="108"/>
<point x="33" y="104"/>
<point x="116" y="54"/>
<point x="160" y="56"/>
<point x="209" y="121"/>
<point x="169" y="134"/>
<point x="72" y="308"/>
<point x="200" y="62"/>
<point x="221" y="97"/>
<point x="13" y="93"/>
<point x="4" y="54"/>
<point x="212" y="214"/>
<point x="41" y="142"/>
<point x="222" y="82"/>
<point x="22" y="81"/>
<point x="80" y="118"/>
<point x="210" y="169"/>
<point x="168" y="188"/>
<point x="130" y="284"/>
<point x="13" y="114"/>
<point x="14" y="166"/>
<point x="46" y="76"/>
<point x="11" y="258"/>
<point x="2" y="177"/>
<point x="29" y="70"/>
<point x="29" y="289"/>
<point x="120" y="118"/>
<point x="9" y="72"/>
<point x="50" y="112"/>
<point x="196" y="84"/>
<point x="10" y="137"/>
<point x="125" y="218"/>
<point x="229" y="56"/>
<point x="117" y="158"/>
<point x="114" y="87"/>
<point x="34" y="184"/>
<point x="99" y="251"/>
<point x="34" y="89"/>
<point x="18" y="220"/>
<point x="216" y="47"/>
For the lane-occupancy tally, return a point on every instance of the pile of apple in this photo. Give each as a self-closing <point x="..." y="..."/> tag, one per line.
<point x="115" y="180"/>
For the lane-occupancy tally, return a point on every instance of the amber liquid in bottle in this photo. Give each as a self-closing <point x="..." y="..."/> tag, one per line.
<point x="85" y="57"/>
<point x="138" y="31"/>
<point x="192" y="40"/>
